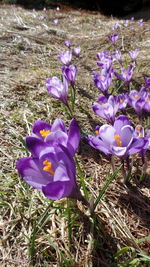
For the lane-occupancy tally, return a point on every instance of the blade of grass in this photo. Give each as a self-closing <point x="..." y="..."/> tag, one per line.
<point x="102" y="191"/>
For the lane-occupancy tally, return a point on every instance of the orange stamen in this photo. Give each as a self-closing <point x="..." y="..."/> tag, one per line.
<point x="48" y="167"/>
<point x="44" y="133"/>
<point x="138" y="128"/>
<point x="97" y="132"/>
<point x="118" y="140"/>
<point x="136" y="96"/>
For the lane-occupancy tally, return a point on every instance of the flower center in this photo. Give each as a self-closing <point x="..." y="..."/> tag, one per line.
<point x="136" y="96"/>
<point x="97" y="132"/>
<point x="121" y="101"/>
<point x="139" y="128"/>
<point x="44" y="133"/>
<point x="48" y="167"/>
<point x="118" y="140"/>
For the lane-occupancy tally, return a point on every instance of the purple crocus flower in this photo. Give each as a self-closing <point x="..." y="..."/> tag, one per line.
<point x="103" y="82"/>
<point x="115" y="26"/>
<point x="53" y="135"/>
<point x="68" y="43"/>
<point x="70" y="73"/>
<point x="106" y="64"/>
<point x="117" y="139"/>
<point x="52" y="172"/>
<point x="122" y="100"/>
<point x="103" y="55"/>
<point x="117" y="55"/>
<point x="76" y="51"/>
<point x="58" y="89"/>
<point x="139" y="133"/>
<point x="147" y="102"/>
<point x="66" y="57"/>
<point x="147" y="81"/>
<point x="137" y="101"/>
<point x="133" y="54"/>
<point x="125" y="75"/>
<point x="106" y="108"/>
<point x="113" y="38"/>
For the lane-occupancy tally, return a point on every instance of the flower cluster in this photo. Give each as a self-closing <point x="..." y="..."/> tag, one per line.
<point x="51" y="168"/>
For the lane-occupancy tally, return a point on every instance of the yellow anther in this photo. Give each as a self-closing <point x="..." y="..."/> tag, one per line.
<point x="136" y="96"/>
<point x="138" y="128"/>
<point x="44" y="133"/>
<point x="147" y="99"/>
<point x="118" y="140"/>
<point x="97" y="132"/>
<point x="121" y="101"/>
<point x="48" y="167"/>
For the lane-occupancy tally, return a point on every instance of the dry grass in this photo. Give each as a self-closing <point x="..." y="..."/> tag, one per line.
<point x="31" y="235"/>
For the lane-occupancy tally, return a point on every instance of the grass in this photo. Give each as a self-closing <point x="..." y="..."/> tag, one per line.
<point x="34" y="230"/>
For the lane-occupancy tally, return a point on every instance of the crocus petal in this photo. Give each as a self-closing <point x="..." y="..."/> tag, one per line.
<point x="35" y="145"/>
<point x="55" y="138"/>
<point x="137" y="145"/>
<point x="40" y="126"/>
<point x="58" y="125"/>
<point x="73" y="136"/>
<point x="119" y="151"/>
<point x="126" y="135"/>
<point x="97" y="143"/>
<point x="121" y="121"/>
<point x="57" y="190"/>
<point x="106" y="132"/>
<point x="30" y="170"/>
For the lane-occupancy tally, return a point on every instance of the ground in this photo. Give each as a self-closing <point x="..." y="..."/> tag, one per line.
<point x="30" y="235"/>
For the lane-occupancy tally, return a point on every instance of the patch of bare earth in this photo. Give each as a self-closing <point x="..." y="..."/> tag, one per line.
<point x="29" y="46"/>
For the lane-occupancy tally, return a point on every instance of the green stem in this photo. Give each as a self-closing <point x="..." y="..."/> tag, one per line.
<point x="103" y="190"/>
<point x="72" y="97"/>
<point x="82" y="178"/>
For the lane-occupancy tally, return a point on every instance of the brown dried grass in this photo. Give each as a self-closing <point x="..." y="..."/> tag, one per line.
<point x="29" y="50"/>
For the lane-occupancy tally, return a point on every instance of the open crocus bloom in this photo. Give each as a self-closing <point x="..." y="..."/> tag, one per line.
<point x="137" y="100"/>
<point x="117" y="139"/>
<point x="58" y="89"/>
<point x="52" y="172"/>
<point x="53" y="135"/>
<point x="122" y="100"/>
<point x="106" y="108"/>
<point x="125" y="75"/>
